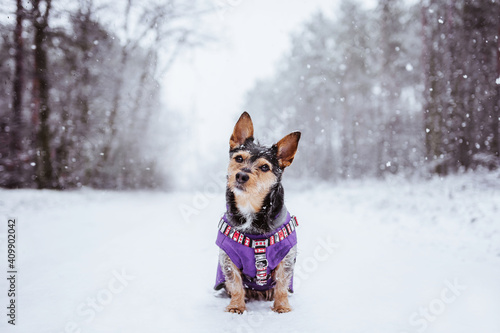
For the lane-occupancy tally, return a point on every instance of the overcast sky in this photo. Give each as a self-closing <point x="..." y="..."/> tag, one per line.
<point x="252" y="36"/>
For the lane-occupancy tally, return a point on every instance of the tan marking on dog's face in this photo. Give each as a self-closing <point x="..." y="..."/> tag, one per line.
<point x="250" y="195"/>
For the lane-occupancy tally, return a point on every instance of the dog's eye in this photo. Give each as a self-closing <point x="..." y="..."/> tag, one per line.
<point x="264" y="167"/>
<point x="238" y="159"/>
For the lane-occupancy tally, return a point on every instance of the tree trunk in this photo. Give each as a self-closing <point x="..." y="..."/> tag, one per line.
<point x="433" y="115"/>
<point x="495" y="144"/>
<point x="16" y="125"/>
<point x="106" y="152"/>
<point x="17" y="96"/>
<point x="44" y="170"/>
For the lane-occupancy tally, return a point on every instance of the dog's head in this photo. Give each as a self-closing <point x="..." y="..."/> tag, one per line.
<point x="254" y="170"/>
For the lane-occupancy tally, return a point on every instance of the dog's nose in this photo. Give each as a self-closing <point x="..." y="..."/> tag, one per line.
<point x="241" y="177"/>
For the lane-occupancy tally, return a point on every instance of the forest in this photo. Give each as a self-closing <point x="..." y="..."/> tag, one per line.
<point x="407" y="90"/>
<point x="398" y="89"/>
<point x="81" y="95"/>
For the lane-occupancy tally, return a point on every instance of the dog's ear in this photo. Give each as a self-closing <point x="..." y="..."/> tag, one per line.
<point x="287" y="147"/>
<point x="243" y="130"/>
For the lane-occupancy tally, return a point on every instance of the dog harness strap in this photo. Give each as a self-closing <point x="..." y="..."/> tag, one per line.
<point x="282" y="233"/>
<point x="259" y="245"/>
<point x="260" y="261"/>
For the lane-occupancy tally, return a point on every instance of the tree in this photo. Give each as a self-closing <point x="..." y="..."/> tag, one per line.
<point x="346" y="83"/>
<point x="41" y="109"/>
<point x="15" y="176"/>
<point x="461" y="112"/>
<point x="18" y="86"/>
<point x="92" y="118"/>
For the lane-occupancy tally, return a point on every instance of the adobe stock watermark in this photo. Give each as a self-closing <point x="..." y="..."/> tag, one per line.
<point x="421" y="319"/>
<point x="201" y="199"/>
<point x="304" y="269"/>
<point x="88" y="309"/>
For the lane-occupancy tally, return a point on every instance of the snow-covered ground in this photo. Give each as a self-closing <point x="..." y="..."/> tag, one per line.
<point x="374" y="256"/>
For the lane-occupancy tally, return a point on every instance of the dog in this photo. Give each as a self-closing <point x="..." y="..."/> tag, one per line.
<point x="257" y="236"/>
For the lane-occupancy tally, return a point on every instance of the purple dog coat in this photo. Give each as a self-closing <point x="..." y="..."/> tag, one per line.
<point x="239" y="249"/>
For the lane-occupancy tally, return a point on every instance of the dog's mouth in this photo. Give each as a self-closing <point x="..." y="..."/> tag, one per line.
<point x="239" y="187"/>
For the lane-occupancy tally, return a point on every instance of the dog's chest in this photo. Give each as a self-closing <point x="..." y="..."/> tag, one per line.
<point x="248" y="213"/>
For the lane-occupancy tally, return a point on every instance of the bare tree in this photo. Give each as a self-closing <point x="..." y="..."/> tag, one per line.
<point x="461" y="96"/>
<point x="171" y="27"/>
<point x="18" y="82"/>
<point x="16" y="123"/>
<point x="41" y="108"/>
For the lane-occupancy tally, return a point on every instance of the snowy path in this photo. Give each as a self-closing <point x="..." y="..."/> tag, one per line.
<point x="374" y="257"/>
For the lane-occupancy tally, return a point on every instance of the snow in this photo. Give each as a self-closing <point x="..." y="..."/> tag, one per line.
<point x="395" y="256"/>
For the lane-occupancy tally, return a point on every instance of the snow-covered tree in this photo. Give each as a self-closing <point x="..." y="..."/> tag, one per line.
<point x="350" y="83"/>
<point x="90" y="91"/>
<point x="462" y="96"/>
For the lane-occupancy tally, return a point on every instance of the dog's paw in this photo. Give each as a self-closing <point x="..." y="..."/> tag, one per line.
<point x="235" y="309"/>
<point x="281" y="308"/>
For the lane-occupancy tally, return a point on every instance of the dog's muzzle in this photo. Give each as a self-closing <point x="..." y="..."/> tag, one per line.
<point x="242" y="178"/>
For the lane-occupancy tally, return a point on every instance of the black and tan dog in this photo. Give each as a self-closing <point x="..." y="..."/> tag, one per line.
<point x="257" y="236"/>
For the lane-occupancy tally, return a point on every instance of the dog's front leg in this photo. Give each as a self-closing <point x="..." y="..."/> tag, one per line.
<point x="283" y="276"/>
<point x="234" y="284"/>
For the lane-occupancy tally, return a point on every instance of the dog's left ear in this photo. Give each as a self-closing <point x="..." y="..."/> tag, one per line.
<point x="287" y="147"/>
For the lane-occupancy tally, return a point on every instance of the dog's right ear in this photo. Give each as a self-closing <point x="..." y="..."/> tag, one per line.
<point x="243" y="130"/>
<point x="287" y="147"/>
